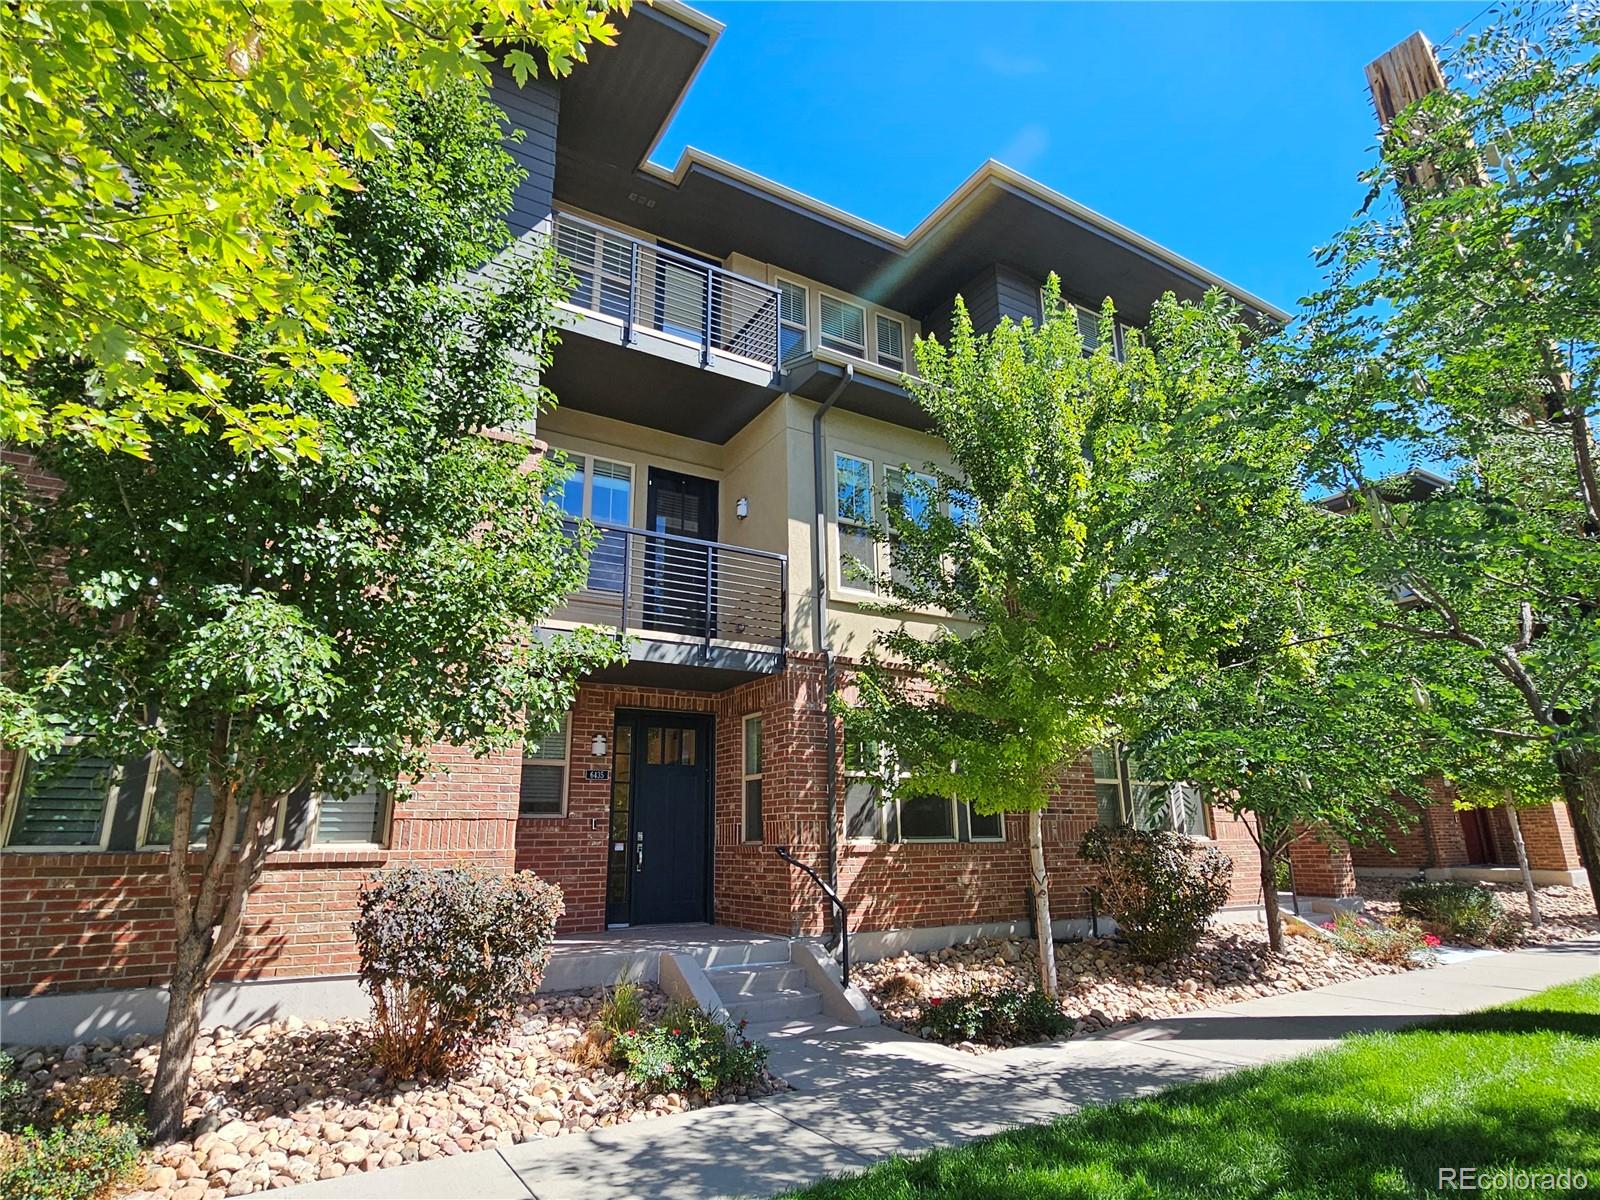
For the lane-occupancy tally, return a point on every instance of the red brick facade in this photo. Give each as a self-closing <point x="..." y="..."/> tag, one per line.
<point x="1434" y="837"/>
<point x="75" y="921"/>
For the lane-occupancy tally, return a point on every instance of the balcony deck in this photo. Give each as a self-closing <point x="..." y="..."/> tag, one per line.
<point x="706" y="613"/>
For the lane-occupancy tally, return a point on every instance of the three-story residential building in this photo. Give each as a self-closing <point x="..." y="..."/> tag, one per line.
<point x="731" y="405"/>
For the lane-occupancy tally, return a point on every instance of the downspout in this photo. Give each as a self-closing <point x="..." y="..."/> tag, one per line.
<point x="819" y="583"/>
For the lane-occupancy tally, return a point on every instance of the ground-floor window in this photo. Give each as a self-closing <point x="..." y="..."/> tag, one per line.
<point x="543" y="791"/>
<point x="1123" y="798"/>
<point x="69" y="801"/>
<point x="752" y="779"/>
<point x="872" y="815"/>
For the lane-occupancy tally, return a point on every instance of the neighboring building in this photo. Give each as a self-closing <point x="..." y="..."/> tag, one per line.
<point x="720" y="324"/>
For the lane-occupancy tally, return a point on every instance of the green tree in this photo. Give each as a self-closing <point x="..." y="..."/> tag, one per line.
<point x="1459" y="326"/>
<point x="257" y="623"/>
<point x="1296" y="725"/>
<point x="1085" y="528"/>
<point x="156" y="161"/>
<point x="1495" y="756"/>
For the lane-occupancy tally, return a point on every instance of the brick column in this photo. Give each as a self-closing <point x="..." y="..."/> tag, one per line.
<point x="1322" y="868"/>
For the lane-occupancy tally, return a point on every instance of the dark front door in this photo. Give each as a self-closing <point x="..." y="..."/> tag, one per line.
<point x="680" y="575"/>
<point x="1475" y="831"/>
<point x="671" y="838"/>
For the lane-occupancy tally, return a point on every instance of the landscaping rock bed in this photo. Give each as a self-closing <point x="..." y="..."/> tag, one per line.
<point x="1568" y="912"/>
<point x="293" y="1101"/>
<point x="1102" y="985"/>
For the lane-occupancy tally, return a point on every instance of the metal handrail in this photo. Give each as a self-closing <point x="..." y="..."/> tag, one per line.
<point x="735" y="315"/>
<point x="683" y="587"/>
<point x="838" y="905"/>
<point x="688" y="541"/>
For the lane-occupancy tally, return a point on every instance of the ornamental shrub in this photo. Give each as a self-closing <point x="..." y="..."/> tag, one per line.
<point x="1161" y="886"/>
<point x="1005" y="1017"/>
<point x="689" y="1050"/>
<point x="111" y="1096"/>
<point x="1461" y="911"/>
<point x="88" y="1160"/>
<point x="446" y="954"/>
<point x="16" y="1106"/>
<point x="1396" y="941"/>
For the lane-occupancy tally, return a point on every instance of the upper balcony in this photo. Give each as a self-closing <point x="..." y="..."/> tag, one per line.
<point x="663" y="339"/>
<point x="697" y="613"/>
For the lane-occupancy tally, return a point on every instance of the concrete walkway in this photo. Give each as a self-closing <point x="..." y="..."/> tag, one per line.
<point x="863" y="1094"/>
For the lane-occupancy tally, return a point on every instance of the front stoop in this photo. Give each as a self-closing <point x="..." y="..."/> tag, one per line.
<point x="776" y="991"/>
<point x="801" y="985"/>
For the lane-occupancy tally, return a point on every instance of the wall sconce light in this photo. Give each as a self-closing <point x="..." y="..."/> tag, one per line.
<point x="741" y="507"/>
<point x="598" y="746"/>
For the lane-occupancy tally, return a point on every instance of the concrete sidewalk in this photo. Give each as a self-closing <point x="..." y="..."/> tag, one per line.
<point x="863" y="1094"/>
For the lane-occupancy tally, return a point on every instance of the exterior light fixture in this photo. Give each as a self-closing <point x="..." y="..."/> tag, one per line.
<point x="741" y="507"/>
<point x="598" y="746"/>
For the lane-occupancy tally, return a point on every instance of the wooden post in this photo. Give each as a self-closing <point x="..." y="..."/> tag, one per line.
<point x="1400" y="77"/>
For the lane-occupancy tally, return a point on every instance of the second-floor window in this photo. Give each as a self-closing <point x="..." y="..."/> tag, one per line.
<point x="844" y="326"/>
<point x="909" y="493"/>
<point x="601" y="490"/>
<point x="858" y="549"/>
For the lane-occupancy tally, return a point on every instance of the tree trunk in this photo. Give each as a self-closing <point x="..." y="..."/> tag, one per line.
<point x="1043" y="930"/>
<point x="1269" y="897"/>
<point x="185" y="996"/>
<point x="1579" y="768"/>
<point x="1522" y="861"/>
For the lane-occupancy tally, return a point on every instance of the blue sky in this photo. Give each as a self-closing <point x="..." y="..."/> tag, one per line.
<point x="1230" y="133"/>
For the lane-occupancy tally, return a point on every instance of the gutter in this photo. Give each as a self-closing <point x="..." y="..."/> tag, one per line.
<point x="819" y="562"/>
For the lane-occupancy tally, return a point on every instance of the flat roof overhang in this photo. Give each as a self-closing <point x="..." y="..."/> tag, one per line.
<point x="615" y="108"/>
<point x="814" y="377"/>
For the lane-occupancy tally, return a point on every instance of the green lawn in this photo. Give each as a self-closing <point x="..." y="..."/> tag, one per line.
<point x="1517" y="1085"/>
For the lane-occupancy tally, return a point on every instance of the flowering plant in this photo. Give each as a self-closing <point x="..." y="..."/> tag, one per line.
<point x="691" y="1051"/>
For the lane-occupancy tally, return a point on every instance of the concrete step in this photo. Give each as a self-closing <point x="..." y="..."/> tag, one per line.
<point x="733" y="983"/>
<point x="786" y="1005"/>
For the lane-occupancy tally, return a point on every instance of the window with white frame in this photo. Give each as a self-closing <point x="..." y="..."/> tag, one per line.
<point x="1122" y="798"/>
<point x="602" y="264"/>
<point x="545" y="762"/>
<point x="753" y="828"/>
<point x="891" y="337"/>
<point x="162" y="804"/>
<point x="600" y="490"/>
<point x="844" y="326"/>
<point x="1088" y="328"/>
<point x="910" y="493"/>
<point x="357" y="817"/>
<point x="62" y="802"/>
<point x="858" y="549"/>
<point x="870" y="815"/>
<point x="793" y="320"/>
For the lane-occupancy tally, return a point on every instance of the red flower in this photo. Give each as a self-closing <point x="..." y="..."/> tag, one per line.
<point x="1430" y="939"/>
<point x="676" y="1032"/>
<point x="631" y="1032"/>
<point x="936" y="1001"/>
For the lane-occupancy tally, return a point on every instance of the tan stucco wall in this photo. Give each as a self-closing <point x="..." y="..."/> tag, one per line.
<point x="768" y="463"/>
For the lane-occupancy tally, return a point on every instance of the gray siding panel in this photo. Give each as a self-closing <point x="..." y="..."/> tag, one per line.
<point x="535" y="110"/>
<point x="1016" y="295"/>
<point x="992" y="294"/>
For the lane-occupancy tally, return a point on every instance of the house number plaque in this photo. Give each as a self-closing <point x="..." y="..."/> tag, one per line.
<point x="597" y="774"/>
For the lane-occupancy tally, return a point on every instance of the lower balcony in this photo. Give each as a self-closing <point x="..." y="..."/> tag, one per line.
<point x="698" y="614"/>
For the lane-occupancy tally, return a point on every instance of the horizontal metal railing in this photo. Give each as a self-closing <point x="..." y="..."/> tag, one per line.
<point x="646" y="286"/>
<point x="682" y="588"/>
